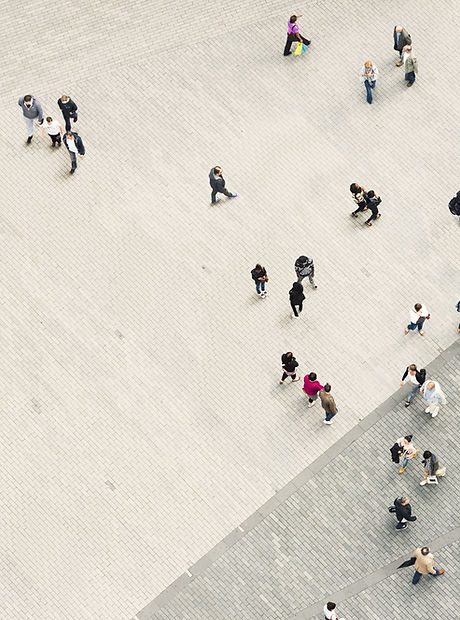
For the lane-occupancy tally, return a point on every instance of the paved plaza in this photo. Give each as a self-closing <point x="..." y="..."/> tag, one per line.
<point x="142" y="420"/>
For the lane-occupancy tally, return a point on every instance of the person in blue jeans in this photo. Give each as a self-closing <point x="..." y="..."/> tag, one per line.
<point x="369" y="75"/>
<point x="424" y="564"/>
<point x="259" y="275"/>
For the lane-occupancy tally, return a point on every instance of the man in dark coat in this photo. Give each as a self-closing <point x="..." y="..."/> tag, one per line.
<point x="74" y="145"/>
<point x="401" y="38"/>
<point x="217" y="182"/>
<point x="403" y="511"/>
<point x="69" y="110"/>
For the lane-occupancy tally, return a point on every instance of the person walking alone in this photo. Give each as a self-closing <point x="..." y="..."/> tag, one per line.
<point x="304" y="267"/>
<point x="416" y="378"/>
<point x="417" y="318"/>
<point x="69" y="110"/>
<point x="403" y="511"/>
<point x="327" y="403"/>
<point x="311" y="387"/>
<point x="293" y="35"/>
<point x="289" y="365"/>
<point x="431" y="467"/>
<point x="259" y="275"/>
<point x="54" y="130"/>
<point x="329" y="611"/>
<point x="424" y="564"/>
<point x="217" y="182"/>
<point x="435" y="397"/>
<point x="31" y="110"/>
<point x="359" y="196"/>
<point x="369" y="75"/>
<point x="401" y="38"/>
<point x="75" y="147"/>
<point x="372" y="203"/>
<point x="410" y="65"/>
<point x="296" y="298"/>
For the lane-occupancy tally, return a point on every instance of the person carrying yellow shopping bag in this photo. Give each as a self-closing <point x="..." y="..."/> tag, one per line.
<point x="300" y="49"/>
<point x="294" y="35"/>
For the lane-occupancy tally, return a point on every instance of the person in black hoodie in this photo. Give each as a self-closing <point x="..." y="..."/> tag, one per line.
<point x="416" y="380"/>
<point x="296" y="297"/>
<point x="217" y="182"/>
<point x="372" y="203"/>
<point x="289" y="365"/>
<point x="259" y="275"/>
<point x="403" y="511"/>
<point x="69" y="110"/>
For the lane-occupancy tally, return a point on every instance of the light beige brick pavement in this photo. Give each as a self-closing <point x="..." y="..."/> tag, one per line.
<point x="141" y="416"/>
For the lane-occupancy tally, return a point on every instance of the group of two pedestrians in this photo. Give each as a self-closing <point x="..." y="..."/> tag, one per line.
<point x="365" y="200"/>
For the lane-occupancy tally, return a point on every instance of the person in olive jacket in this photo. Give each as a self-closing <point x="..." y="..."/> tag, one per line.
<point x="403" y="511"/>
<point x="289" y="365"/>
<point x="401" y="38"/>
<point x="296" y="298"/>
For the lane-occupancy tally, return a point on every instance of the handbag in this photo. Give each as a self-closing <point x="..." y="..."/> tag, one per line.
<point x="410" y="562"/>
<point x="298" y="49"/>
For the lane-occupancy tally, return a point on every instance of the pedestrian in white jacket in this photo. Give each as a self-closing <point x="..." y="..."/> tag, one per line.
<point x="418" y="315"/>
<point x="435" y="397"/>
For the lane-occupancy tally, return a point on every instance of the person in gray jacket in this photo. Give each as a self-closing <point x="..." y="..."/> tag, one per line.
<point x="31" y="110"/>
<point x="401" y="38"/>
<point x="217" y="182"/>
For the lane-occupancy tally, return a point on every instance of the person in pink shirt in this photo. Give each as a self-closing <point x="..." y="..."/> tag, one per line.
<point x="311" y="387"/>
<point x="294" y="35"/>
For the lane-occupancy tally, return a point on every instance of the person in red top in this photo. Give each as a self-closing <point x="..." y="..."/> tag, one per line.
<point x="311" y="387"/>
<point x="293" y="35"/>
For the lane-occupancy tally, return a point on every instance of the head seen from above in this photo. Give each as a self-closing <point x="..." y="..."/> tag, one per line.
<point x="425" y="550"/>
<point x="217" y="170"/>
<point x="27" y="98"/>
<point x="293" y="19"/>
<point x="427" y="454"/>
<point x="64" y="98"/>
<point x="368" y="65"/>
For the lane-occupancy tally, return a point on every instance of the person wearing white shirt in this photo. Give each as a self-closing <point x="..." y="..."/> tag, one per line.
<point x="54" y="130"/>
<point x="329" y="612"/>
<point x="434" y="396"/>
<point x="369" y="74"/>
<point x="417" y="319"/>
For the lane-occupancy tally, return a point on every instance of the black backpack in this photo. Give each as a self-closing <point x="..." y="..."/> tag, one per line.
<point x="454" y="206"/>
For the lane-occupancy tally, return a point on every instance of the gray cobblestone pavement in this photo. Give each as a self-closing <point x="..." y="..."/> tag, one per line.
<point x="142" y="419"/>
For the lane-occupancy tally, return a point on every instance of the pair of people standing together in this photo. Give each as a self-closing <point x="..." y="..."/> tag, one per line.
<point x="365" y="200"/>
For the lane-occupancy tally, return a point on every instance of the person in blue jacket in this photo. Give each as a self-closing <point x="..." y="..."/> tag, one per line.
<point x="75" y="146"/>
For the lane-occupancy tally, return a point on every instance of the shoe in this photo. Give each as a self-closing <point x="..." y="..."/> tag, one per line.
<point x="215" y="201"/>
<point x="263" y="294"/>
<point x="233" y="196"/>
<point x="427" y="410"/>
<point x="354" y="214"/>
<point x="433" y="415"/>
<point x="422" y="484"/>
<point x="287" y="54"/>
<point x="53" y="145"/>
<point x="378" y="215"/>
<point x="293" y="316"/>
<point x="441" y="571"/>
<point x="407" y="403"/>
<point x="327" y="422"/>
<point x="368" y="223"/>
<point x="281" y="382"/>
<point x="59" y="143"/>
<point x="422" y="333"/>
<point x="403" y="526"/>
<point x="391" y="508"/>
<point x="399" y="64"/>
<point x="72" y="170"/>
<point x="409" y="84"/>
<point x="294" y="380"/>
<point x="29" y="139"/>
<point x="401" y="470"/>
<point x="406" y="331"/>
<point x="315" y="286"/>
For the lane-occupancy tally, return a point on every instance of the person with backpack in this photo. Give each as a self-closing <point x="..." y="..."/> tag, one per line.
<point x="454" y="205"/>
<point x="293" y="35"/>
<point x="403" y="511"/>
<point x="259" y="275"/>
<point x="416" y="378"/>
<point x="289" y="365"/>
<point x="359" y="196"/>
<point x="304" y="267"/>
<point x="296" y="298"/>
<point x="372" y="203"/>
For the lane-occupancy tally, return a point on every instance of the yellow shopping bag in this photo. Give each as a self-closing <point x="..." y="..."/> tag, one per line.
<point x="298" y="49"/>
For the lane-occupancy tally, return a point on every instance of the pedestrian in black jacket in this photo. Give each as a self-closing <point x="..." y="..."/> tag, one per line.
<point x="289" y="365"/>
<point x="69" y="110"/>
<point x="259" y="275"/>
<point x="403" y="511"/>
<point x="372" y="203"/>
<point x="217" y="182"/>
<point x="416" y="380"/>
<point x="74" y="145"/>
<point x="296" y="297"/>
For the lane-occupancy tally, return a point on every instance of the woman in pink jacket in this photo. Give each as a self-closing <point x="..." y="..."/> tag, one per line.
<point x="311" y="387"/>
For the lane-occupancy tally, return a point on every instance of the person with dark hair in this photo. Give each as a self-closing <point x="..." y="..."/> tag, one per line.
<point x="304" y="266"/>
<point x="54" y="130"/>
<point x="417" y="319"/>
<point x="217" y="182"/>
<point x="327" y="403"/>
<point x="259" y="275"/>
<point x="424" y="564"/>
<point x="406" y="451"/>
<point x="296" y="298"/>
<point x="457" y="305"/>
<point x="289" y="365"/>
<point x="31" y="109"/>
<point x="329" y="611"/>
<point x="372" y="203"/>
<point x="431" y="467"/>
<point x="293" y="35"/>
<point x="403" y="511"/>
<point x="454" y="204"/>
<point x="69" y="110"/>
<point x="74" y="145"/>
<point x="416" y="379"/>
<point x="311" y="387"/>
<point x="359" y="196"/>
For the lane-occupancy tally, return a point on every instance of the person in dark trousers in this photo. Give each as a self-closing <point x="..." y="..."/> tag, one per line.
<point x="311" y="387"/>
<point x="416" y="378"/>
<point x="424" y="564"/>
<point x="54" y="130"/>
<point x="304" y="267"/>
<point x="293" y="35"/>
<point x="217" y="182"/>
<point x="359" y="196"/>
<point x="327" y="403"/>
<point x="372" y="203"/>
<point x="431" y="467"/>
<point x="401" y="38"/>
<point x="296" y="298"/>
<point x="410" y="65"/>
<point x="31" y="110"/>
<point x="403" y="511"/>
<point x="69" y="110"/>
<point x="289" y="365"/>
<point x="259" y="275"/>
<point x="75" y="146"/>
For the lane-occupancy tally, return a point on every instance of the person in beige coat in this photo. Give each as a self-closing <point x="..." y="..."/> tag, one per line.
<point x="424" y="564"/>
<point x="327" y="403"/>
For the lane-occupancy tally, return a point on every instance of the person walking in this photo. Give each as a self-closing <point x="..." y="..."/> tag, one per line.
<point x="329" y="611"/>
<point x="75" y="146"/>
<point x="434" y="396"/>
<point x="296" y="298"/>
<point x="417" y="318"/>
<point x="69" y="110"/>
<point x="403" y="511"/>
<point x="359" y="196"/>
<point x="416" y="378"/>
<point x="289" y="365"/>
<point x="458" y="310"/>
<point x="327" y="403"/>
<point x="424" y="564"/>
<point x="454" y="204"/>
<point x="410" y="65"/>
<point x="401" y="38"/>
<point x="311" y="387"/>
<point x="431" y="467"/>
<point x="293" y="34"/>
<point x="217" y="182"/>
<point x="259" y="275"/>
<point x="304" y="267"/>
<point x="372" y="203"/>
<point x="407" y="451"/>
<point x="31" y="110"/>
<point x="54" y="130"/>
<point x="369" y="74"/>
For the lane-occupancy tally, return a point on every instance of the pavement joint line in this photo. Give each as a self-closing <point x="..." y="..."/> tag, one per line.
<point x="371" y="580"/>
<point x="296" y="483"/>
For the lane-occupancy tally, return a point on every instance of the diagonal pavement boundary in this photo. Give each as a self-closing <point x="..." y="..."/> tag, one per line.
<point x="291" y="487"/>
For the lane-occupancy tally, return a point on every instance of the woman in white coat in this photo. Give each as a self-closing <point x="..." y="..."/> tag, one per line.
<point x="435" y="397"/>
